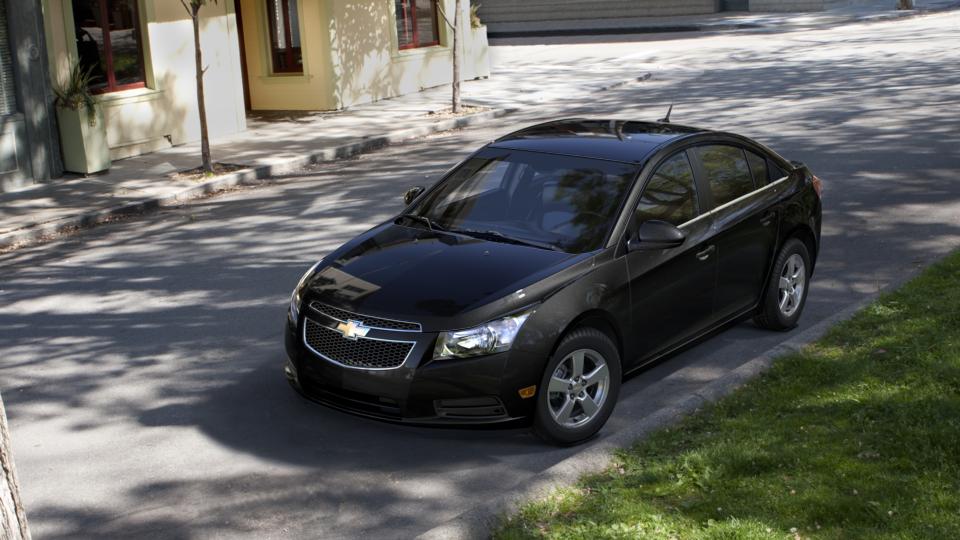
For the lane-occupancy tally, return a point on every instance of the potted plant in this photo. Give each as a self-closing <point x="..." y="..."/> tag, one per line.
<point x="83" y="134"/>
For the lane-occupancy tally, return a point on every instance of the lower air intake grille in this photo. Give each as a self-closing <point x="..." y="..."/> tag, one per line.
<point x="362" y="353"/>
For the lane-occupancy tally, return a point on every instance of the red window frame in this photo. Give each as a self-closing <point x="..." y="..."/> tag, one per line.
<point x="112" y="85"/>
<point x="288" y="53"/>
<point x="411" y="26"/>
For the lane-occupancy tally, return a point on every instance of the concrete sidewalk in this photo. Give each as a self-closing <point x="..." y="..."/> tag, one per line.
<point x="835" y="12"/>
<point x="273" y="143"/>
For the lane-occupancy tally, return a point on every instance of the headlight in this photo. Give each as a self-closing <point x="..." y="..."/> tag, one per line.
<point x="493" y="337"/>
<point x="294" y="311"/>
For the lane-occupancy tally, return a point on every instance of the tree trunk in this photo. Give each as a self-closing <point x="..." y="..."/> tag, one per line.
<point x="13" y="519"/>
<point x="201" y="104"/>
<point x="456" y="57"/>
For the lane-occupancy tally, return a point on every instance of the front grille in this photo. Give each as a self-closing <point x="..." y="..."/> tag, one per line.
<point x="373" y="322"/>
<point x="363" y="353"/>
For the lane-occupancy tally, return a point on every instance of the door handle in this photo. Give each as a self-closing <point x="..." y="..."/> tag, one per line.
<point x="768" y="218"/>
<point x="705" y="254"/>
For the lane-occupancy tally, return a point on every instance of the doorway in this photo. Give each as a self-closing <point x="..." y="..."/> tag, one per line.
<point x="238" y="11"/>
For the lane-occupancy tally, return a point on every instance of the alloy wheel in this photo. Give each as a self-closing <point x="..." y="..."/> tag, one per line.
<point x="578" y="388"/>
<point x="793" y="278"/>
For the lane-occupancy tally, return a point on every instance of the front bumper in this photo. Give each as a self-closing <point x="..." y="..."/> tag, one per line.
<point x="481" y="391"/>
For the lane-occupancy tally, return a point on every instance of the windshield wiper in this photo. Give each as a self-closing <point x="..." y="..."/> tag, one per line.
<point x="432" y="225"/>
<point x="500" y="237"/>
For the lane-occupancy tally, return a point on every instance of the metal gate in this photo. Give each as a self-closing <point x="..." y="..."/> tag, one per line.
<point x="8" y="100"/>
<point x="14" y="157"/>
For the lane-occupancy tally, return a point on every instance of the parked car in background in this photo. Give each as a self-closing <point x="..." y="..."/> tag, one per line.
<point x="536" y="274"/>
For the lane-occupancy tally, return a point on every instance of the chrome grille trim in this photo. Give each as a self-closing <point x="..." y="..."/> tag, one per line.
<point x="342" y="362"/>
<point x="374" y="323"/>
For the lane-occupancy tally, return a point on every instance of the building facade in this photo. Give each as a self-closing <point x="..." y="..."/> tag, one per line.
<point x="331" y="54"/>
<point x="259" y="54"/>
<point x="141" y="55"/>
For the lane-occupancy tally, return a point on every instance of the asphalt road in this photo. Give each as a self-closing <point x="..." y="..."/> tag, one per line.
<point x="141" y="361"/>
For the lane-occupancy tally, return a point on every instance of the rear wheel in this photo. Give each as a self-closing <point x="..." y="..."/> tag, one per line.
<point x="579" y="388"/>
<point x="786" y="292"/>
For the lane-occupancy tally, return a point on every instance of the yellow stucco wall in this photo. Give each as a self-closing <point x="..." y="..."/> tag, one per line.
<point x="165" y="112"/>
<point x="351" y="56"/>
<point x="349" y="50"/>
<point x="368" y="65"/>
<point x="309" y="91"/>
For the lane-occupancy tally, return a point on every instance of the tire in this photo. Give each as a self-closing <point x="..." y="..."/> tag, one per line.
<point x="553" y="421"/>
<point x="782" y="306"/>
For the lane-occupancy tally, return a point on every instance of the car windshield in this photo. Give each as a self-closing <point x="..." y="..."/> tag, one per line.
<point x="549" y="201"/>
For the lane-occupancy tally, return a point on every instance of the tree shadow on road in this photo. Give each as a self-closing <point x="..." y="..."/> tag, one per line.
<point x="164" y="334"/>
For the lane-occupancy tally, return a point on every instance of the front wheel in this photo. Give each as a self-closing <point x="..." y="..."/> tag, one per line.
<point x="786" y="292"/>
<point x="579" y="388"/>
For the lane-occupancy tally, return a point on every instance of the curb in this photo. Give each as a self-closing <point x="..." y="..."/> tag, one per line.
<point x="903" y="14"/>
<point x="482" y="519"/>
<point x="612" y="31"/>
<point x="36" y="233"/>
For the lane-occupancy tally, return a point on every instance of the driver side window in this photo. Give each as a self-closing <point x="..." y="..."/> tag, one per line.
<point x="670" y="195"/>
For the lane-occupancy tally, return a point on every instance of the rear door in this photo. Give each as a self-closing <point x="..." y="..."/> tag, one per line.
<point x="671" y="290"/>
<point x="745" y="222"/>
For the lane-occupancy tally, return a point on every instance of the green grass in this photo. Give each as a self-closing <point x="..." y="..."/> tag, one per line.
<point x="858" y="436"/>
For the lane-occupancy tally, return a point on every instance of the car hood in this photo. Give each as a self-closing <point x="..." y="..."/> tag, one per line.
<point x="438" y="279"/>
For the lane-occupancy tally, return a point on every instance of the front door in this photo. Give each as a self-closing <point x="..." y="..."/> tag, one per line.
<point x="671" y="290"/>
<point x="243" y="54"/>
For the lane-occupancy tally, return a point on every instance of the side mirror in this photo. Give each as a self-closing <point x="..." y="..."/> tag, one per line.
<point x="411" y="194"/>
<point x="654" y="235"/>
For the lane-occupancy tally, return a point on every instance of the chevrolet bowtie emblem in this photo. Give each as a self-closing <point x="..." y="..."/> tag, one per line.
<point x="353" y="329"/>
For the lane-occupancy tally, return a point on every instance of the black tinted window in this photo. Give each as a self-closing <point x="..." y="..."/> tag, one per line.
<point x="727" y="172"/>
<point x="669" y="195"/>
<point x="776" y="172"/>
<point x="564" y="201"/>
<point x="758" y="166"/>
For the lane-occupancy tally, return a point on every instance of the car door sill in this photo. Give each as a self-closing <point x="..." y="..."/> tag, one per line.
<point x="689" y="341"/>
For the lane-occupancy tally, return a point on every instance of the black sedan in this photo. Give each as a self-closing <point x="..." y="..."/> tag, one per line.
<point x="537" y="273"/>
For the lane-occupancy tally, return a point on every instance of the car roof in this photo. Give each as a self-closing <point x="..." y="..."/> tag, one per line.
<point x="615" y="140"/>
